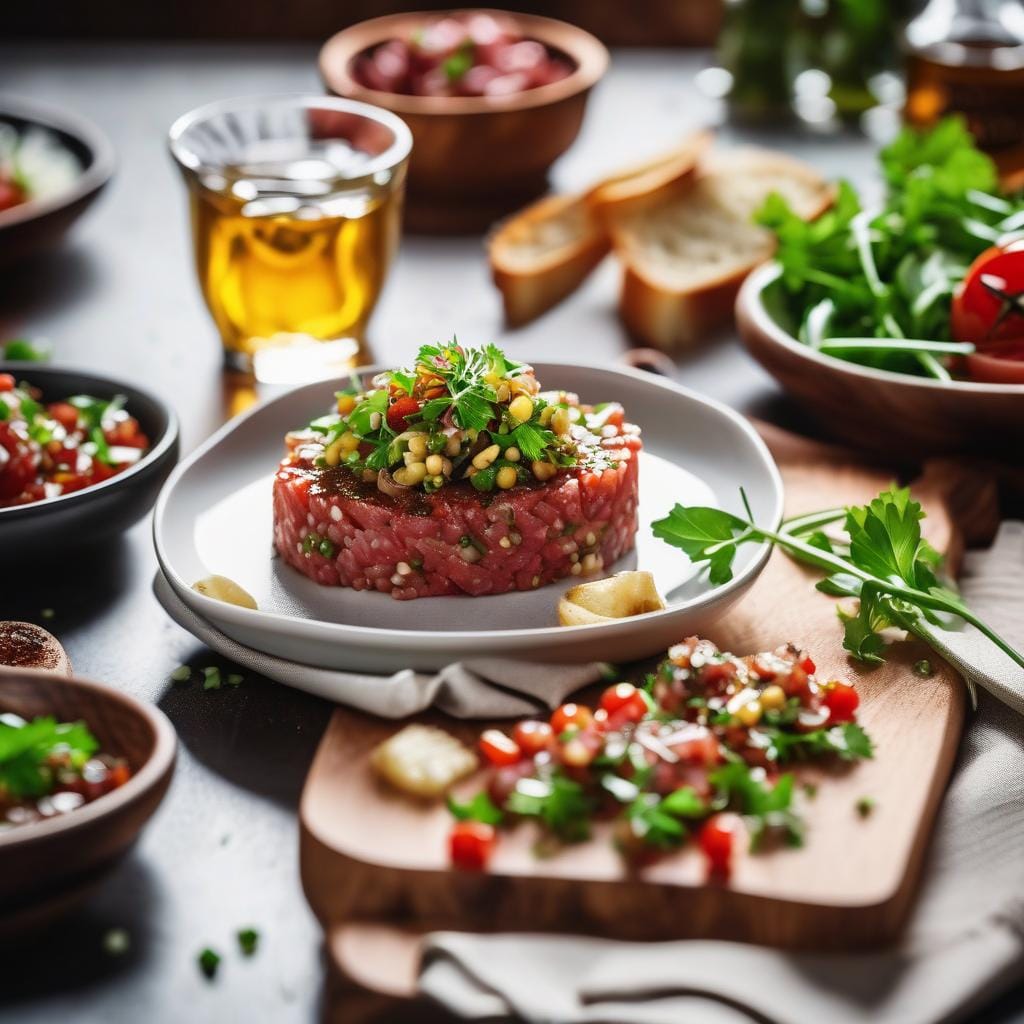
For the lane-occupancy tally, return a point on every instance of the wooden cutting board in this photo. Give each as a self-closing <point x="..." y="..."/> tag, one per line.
<point x="374" y="864"/>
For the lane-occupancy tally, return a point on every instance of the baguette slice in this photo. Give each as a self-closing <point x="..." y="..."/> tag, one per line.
<point x="649" y="184"/>
<point x="684" y="260"/>
<point x="543" y="254"/>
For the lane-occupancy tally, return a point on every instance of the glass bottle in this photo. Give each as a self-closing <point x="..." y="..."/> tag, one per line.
<point x="967" y="57"/>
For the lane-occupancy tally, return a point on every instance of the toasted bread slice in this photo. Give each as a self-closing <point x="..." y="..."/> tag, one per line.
<point x="651" y="183"/>
<point x="684" y="260"/>
<point x="543" y="254"/>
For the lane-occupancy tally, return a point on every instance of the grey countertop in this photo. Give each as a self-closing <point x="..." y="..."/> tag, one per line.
<point x="121" y="298"/>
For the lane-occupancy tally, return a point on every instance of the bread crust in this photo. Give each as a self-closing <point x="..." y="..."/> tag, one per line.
<point x="529" y="289"/>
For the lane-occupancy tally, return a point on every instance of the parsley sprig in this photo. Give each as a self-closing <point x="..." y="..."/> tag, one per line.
<point x="885" y="563"/>
<point x="26" y="749"/>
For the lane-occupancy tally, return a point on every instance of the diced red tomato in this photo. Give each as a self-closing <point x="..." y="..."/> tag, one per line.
<point x="6" y="382"/>
<point x="807" y="664"/>
<point x="64" y="413"/>
<point x="400" y="410"/>
<point x="624" y="703"/>
<point x="471" y="844"/>
<point x="842" y="702"/>
<point x="498" y="748"/>
<point x="577" y="716"/>
<point x="18" y="469"/>
<point x="717" y="838"/>
<point x="10" y="194"/>
<point x="533" y="736"/>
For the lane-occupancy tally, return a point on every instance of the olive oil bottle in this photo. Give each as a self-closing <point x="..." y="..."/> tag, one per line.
<point x="967" y="57"/>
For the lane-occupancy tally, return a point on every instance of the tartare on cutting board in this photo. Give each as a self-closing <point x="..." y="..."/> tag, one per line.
<point x="457" y="475"/>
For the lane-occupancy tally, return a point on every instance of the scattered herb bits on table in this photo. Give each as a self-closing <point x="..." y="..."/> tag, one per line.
<point x="49" y="768"/>
<point x="696" y="755"/>
<point x="48" y="449"/>
<point x="457" y="476"/>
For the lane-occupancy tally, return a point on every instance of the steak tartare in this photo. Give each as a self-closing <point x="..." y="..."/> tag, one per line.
<point x="458" y="476"/>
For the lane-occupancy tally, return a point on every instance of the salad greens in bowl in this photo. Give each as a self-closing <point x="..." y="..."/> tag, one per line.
<point x="900" y="327"/>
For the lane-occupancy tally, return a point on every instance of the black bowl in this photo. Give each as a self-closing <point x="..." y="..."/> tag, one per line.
<point x="40" y="223"/>
<point x="106" y="508"/>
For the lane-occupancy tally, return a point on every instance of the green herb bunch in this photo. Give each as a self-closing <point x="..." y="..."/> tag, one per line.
<point x="875" y="286"/>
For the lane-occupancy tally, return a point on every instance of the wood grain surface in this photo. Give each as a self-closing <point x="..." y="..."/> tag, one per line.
<point x="374" y="864"/>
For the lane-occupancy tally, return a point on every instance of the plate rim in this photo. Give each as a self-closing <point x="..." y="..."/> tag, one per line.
<point x="247" y="618"/>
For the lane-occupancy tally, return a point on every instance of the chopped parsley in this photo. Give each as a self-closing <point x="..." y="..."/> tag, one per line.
<point x="209" y="961"/>
<point x="248" y="940"/>
<point x="28" y="748"/>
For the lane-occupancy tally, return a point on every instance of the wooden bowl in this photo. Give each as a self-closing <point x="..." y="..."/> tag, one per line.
<point x="40" y="223"/>
<point x="475" y="158"/>
<point x="47" y="866"/>
<point x="894" y="414"/>
<point x="26" y="645"/>
<point x="104" y="509"/>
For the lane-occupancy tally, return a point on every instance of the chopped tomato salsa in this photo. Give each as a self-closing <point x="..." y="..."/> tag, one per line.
<point x="50" y="449"/>
<point x="49" y="768"/>
<point x="697" y="753"/>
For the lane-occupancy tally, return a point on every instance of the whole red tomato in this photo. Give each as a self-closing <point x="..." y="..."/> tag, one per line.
<point x="988" y="311"/>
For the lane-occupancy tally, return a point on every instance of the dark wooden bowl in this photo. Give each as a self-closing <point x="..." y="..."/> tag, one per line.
<point x="46" y="867"/>
<point x="894" y="414"/>
<point x="40" y="223"/>
<point x="108" y="508"/>
<point x="475" y="158"/>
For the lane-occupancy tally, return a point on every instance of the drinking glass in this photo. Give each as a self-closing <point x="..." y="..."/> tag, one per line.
<point x="296" y="213"/>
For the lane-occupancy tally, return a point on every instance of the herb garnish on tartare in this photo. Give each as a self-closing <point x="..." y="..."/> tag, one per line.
<point x="459" y="413"/>
<point x="457" y="475"/>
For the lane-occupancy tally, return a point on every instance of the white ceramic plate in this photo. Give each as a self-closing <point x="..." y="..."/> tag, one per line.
<point x="214" y="516"/>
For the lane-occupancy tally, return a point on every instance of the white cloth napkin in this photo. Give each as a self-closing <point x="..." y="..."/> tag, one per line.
<point x="482" y="688"/>
<point x="964" y="944"/>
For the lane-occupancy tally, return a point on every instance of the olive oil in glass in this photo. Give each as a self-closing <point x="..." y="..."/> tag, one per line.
<point x="296" y="214"/>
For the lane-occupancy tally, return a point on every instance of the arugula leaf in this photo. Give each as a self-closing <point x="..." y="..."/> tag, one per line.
<point x="705" y="534"/>
<point x="558" y="802"/>
<point x="765" y="808"/>
<point x="22" y="350"/>
<point x="848" y="742"/>
<point x="480" y="808"/>
<point x="892" y="276"/>
<point x="650" y="822"/>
